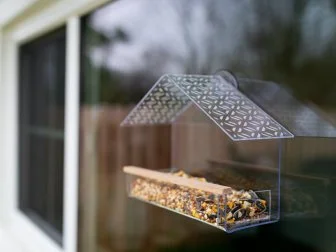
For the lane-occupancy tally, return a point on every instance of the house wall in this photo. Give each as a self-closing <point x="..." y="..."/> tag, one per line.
<point x="9" y="10"/>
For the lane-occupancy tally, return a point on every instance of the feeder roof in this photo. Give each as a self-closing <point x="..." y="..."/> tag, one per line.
<point x="251" y="110"/>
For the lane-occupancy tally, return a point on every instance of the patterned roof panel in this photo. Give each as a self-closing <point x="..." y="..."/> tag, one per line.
<point x="224" y="104"/>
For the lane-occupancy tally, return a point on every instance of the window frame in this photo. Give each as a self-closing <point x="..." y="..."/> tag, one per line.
<point x="36" y="21"/>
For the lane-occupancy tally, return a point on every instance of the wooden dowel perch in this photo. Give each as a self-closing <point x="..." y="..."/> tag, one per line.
<point x="169" y="178"/>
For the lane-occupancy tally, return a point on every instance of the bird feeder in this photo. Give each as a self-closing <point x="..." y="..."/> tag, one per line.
<point x="227" y="141"/>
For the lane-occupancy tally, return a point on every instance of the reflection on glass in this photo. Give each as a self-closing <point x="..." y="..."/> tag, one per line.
<point x="127" y="45"/>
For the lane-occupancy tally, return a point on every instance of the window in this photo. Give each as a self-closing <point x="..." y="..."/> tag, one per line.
<point x="121" y="60"/>
<point x="41" y="131"/>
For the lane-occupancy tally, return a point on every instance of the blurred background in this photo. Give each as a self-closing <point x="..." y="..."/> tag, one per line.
<point x="125" y="46"/>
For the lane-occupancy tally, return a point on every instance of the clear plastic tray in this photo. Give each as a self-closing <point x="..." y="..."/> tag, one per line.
<point x="219" y="206"/>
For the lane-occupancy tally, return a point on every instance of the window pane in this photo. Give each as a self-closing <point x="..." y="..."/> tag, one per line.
<point x="107" y="95"/>
<point x="41" y="105"/>
<point x="128" y="45"/>
<point x="46" y="194"/>
<point x="43" y="61"/>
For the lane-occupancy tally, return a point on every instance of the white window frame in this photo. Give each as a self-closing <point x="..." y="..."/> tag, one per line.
<point x="15" y="223"/>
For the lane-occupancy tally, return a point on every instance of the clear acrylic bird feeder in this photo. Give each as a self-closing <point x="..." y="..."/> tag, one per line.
<point x="226" y="147"/>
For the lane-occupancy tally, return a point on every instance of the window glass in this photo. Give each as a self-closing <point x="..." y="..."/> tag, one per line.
<point x="127" y="45"/>
<point x="41" y="131"/>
